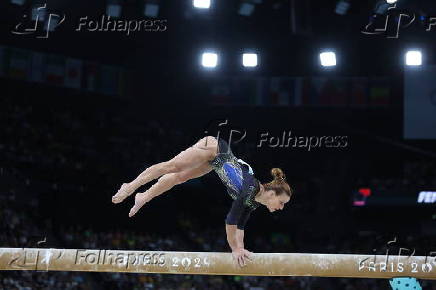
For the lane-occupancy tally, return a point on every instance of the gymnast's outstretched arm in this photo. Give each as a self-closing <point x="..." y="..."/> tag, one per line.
<point x="240" y="238"/>
<point x="235" y="237"/>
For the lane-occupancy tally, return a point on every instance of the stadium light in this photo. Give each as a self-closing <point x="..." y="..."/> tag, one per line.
<point x="342" y="7"/>
<point x="413" y="58"/>
<point x="249" y="59"/>
<point x="151" y="10"/>
<point x="382" y="6"/>
<point x="201" y="4"/>
<point x="18" y="2"/>
<point x="113" y="8"/>
<point x="209" y="59"/>
<point x="327" y="58"/>
<point x="246" y="9"/>
<point x="39" y="12"/>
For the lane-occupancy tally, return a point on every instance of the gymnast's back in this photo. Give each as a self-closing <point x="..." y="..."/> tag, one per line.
<point x="236" y="175"/>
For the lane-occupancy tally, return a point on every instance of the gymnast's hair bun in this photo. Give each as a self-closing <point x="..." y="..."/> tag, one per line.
<point x="278" y="174"/>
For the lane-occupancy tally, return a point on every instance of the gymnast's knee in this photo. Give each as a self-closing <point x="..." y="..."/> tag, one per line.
<point x="173" y="178"/>
<point x="171" y="166"/>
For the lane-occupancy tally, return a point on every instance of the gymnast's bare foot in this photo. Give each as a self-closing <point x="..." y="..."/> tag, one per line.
<point x="122" y="193"/>
<point x="140" y="199"/>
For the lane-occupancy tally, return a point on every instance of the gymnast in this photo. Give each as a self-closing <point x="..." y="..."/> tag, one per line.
<point x="208" y="154"/>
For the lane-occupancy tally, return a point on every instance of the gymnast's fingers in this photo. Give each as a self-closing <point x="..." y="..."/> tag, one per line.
<point x="241" y="261"/>
<point x="248" y="254"/>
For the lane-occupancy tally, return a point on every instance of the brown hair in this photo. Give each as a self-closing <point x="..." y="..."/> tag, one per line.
<point x="279" y="184"/>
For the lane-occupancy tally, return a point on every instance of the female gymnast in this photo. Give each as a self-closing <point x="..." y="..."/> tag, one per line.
<point x="210" y="153"/>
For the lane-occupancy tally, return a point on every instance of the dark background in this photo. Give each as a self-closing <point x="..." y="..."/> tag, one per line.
<point x="141" y="99"/>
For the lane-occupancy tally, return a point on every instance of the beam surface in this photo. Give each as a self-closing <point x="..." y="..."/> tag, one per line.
<point x="211" y="263"/>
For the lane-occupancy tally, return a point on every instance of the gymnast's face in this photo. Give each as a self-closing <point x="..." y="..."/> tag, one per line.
<point x="276" y="202"/>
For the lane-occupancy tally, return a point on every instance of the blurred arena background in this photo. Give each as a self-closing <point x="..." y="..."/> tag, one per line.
<point x="83" y="111"/>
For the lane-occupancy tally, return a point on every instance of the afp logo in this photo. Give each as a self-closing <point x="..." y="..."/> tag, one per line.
<point x="40" y="24"/>
<point x="394" y="20"/>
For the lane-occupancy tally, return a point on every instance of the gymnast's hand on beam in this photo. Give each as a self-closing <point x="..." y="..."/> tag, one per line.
<point x="241" y="255"/>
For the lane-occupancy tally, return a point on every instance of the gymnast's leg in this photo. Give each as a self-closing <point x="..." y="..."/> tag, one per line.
<point x="202" y="151"/>
<point x="165" y="183"/>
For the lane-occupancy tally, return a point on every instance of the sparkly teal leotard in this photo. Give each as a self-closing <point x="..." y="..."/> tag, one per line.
<point x="240" y="182"/>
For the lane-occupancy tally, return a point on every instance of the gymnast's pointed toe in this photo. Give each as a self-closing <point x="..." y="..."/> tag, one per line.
<point x="122" y="193"/>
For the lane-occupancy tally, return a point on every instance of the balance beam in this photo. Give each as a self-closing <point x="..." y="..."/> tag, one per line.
<point x="210" y="263"/>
